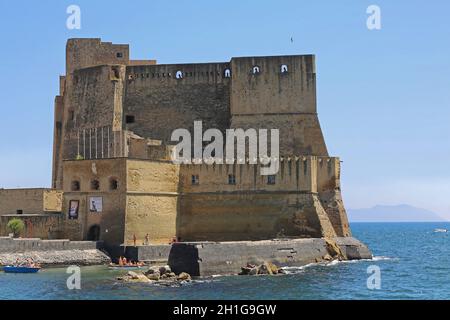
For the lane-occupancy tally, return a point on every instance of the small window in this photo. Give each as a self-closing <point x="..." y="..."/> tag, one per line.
<point x="19" y="211"/>
<point x="119" y="55"/>
<point x="271" y="179"/>
<point x="71" y="115"/>
<point x="179" y="75"/>
<point x="129" y="119"/>
<point x="95" y="185"/>
<point x="75" y="185"/>
<point x="227" y="73"/>
<point x="256" y="70"/>
<point x="284" y="68"/>
<point x="195" y="179"/>
<point x="113" y="184"/>
<point x="231" y="179"/>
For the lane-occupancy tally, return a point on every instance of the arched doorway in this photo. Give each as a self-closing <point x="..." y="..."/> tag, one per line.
<point x="94" y="233"/>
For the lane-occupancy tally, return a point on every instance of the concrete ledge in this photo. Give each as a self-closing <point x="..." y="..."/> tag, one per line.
<point x="210" y="258"/>
<point x="58" y="258"/>
<point x="150" y="254"/>
<point x="8" y="244"/>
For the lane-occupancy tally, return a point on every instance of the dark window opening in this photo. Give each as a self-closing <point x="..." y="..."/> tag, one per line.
<point x="95" y="185"/>
<point x="129" y="119"/>
<point x="94" y="233"/>
<point x="271" y="179"/>
<point x="19" y="211"/>
<point x="113" y="184"/>
<point x="116" y="72"/>
<point x="75" y="186"/>
<point x="231" y="179"/>
<point x="71" y="115"/>
<point x="195" y="179"/>
<point x="119" y="55"/>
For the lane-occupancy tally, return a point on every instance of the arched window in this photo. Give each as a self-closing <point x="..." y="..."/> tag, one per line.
<point x="179" y="75"/>
<point x="113" y="184"/>
<point x="75" y="185"/>
<point x="255" y="70"/>
<point x="227" y="73"/>
<point x="95" y="185"/>
<point x="284" y="68"/>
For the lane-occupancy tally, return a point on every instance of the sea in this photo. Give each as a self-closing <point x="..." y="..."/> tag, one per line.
<point x="411" y="261"/>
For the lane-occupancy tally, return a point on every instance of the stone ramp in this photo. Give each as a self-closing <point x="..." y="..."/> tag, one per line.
<point x="58" y="258"/>
<point x="52" y="252"/>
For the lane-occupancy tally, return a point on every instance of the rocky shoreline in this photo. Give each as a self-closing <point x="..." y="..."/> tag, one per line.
<point x="161" y="275"/>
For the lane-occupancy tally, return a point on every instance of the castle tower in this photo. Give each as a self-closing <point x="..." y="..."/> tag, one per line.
<point x="278" y="93"/>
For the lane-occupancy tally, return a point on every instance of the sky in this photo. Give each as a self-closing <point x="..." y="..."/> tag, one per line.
<point x="383" y="95"/>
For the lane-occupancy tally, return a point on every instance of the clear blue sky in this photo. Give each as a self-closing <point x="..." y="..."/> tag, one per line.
<point x="383" y="96"/>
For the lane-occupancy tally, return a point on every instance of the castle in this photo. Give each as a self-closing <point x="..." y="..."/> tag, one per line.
<point x="111" y="153"/>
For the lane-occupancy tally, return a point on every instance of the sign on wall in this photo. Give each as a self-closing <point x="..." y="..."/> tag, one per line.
<point x="95" y="204"/>
<point x="74" y="206"/>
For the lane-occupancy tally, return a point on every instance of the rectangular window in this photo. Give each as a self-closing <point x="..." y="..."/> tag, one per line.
<point x="129" y="119"/>
<point x="231" y="179"/>
<point x="271" y="179"/>
<point x="73" y="209"/>
<point x="119" y="55"/>
<point x="195" y="180"/>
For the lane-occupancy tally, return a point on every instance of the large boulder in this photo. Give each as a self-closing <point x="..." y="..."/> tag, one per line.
<point x="164" y="269"/>
<point x="132" y="276"/>
<point x="273" y="269"/>
<point x="153" y="276"/>
<point x="184" y="277"/>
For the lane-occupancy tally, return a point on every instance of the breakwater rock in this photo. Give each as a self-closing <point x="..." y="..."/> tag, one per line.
<point x="162" y="275"/>
<point x="226" y="258"/>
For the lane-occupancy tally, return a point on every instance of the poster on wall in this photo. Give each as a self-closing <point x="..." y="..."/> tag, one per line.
<point x="74" y="205"/>
<point x="95" y="204"/>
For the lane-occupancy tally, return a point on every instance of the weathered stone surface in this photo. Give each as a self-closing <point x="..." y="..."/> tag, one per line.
<point x="135" y="277"/>
<point x="153" y="276"/>
<point x="205" y="259"/>
<point x="63" y="257"/>
<point x="353" y="248"/>
<point x="164" y="269"/>
<point x="184" y="277"/>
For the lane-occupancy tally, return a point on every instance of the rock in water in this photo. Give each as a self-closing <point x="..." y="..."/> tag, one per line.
<point x="153" y="276"/>
<point x="184" y="277"/>
<point x="253" y="271"/>
<point x="165" y="269"/>
<point x="273" y="269"/>
<point x="133" y="275"/>
<point x="142" y="278"/>
<point x="263" y="269"/>
<point x="327" y="257"/>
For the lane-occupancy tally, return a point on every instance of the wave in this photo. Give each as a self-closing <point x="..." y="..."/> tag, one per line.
<point x="293" y="270"/>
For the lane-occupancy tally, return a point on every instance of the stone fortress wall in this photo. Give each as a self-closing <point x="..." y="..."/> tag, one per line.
<point x="113" y="121"/>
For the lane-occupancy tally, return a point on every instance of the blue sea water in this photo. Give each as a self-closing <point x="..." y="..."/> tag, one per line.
<point x="414" y="262"/>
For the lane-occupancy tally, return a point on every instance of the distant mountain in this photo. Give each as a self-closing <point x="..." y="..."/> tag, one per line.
<point x="399" y="213"/>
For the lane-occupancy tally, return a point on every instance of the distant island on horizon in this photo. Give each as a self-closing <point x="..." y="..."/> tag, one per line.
<point x="393" y="213"/>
